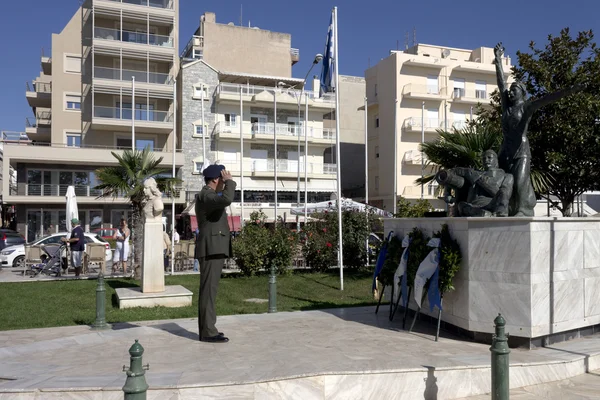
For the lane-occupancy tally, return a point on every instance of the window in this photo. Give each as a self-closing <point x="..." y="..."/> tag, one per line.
<point x="377" y="121"/>
<point x="140" y="144"/>
<point x="480" y="89"/>
<point x="199" y="130"/>
<point x="72" y="64"/>
<point x="198" y="54"/>
<point x="459" y="88"/>
<point x="376" y="183"/>
<point x="73" y="140"/>
<point x="73" y="102"/>
<point x="432" y="189"/>
<point x="230" y="119"/>
<point x="375" y="90"/>
<point x="376" y="151"/>
<point x="200" y="91"/>
<point x="198" y="167"/>
<point x="432" y="85"/>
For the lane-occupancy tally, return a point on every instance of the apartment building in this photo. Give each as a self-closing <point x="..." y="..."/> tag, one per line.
<point x="84" y="103"/>
<point x="230" y="47"/>
<point x="222" y="109"/>
<point x="435" y="88"/>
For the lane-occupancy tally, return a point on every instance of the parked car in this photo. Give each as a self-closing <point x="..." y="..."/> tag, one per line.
<point x="10" y="238"/>
<point x="15" y="255"/>
<point x="105" y="233"/>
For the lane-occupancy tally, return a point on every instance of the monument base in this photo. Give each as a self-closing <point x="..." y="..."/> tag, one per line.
<point x="153" y="264"/>
<point x="172" y="296"/>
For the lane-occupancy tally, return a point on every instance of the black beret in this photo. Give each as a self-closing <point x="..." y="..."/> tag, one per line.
<point x="213" y="171"/>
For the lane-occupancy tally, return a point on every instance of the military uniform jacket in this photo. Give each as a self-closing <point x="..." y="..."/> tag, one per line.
<point x="213" y="237"/>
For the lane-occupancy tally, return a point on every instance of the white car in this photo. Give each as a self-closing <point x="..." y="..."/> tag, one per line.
<point x="15" y="255"/>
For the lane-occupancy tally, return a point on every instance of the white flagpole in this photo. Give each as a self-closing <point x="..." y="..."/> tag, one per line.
<point x="241" y="158"/>
<point x="395" y="199"/>
<point x="367" y="176"/>
<point x="422" y="141"/>
<point x="275" y="145"/>
<point x="173" y="194"/>
<point x="132" y="112"/>
<point x="305" y="158"/>
<point x="337" y="148"/>
<point x="203" y="130"/>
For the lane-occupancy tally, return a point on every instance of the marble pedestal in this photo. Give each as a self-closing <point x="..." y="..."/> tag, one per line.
<point x="153" y="291"/>
<point x="542" y="274"/>
<point x="153" y="266"/>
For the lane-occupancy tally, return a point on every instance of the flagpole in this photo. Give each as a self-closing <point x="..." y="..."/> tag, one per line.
<point x="241" y="158"/>
<point x="203" y="130"/>
<point x="275" y="145"/>
<point x="305" y="158"/>
<point x="337" y="148"/>
<point x="173" y="193"/>
<point x="367" y="178"/>
<point x="132" y="112"/>
<point x="395" y="199"/>
<point x="422" y="141"/>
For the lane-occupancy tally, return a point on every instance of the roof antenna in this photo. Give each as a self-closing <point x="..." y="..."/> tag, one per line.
<point x="406" y="41"/>
<point x="241" y="8"/>
<point x="414" y="36"/>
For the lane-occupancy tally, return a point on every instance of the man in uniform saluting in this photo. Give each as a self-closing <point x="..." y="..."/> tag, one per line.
<point x="213" y="245"/>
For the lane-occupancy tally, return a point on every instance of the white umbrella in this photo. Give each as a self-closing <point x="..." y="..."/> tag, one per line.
<point x="72" y="211"/>
<point x="347" y="204"/>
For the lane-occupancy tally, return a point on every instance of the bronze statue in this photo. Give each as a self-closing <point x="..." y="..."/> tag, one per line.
<point x="515" y="154"/>
<point x="478" y="193"/>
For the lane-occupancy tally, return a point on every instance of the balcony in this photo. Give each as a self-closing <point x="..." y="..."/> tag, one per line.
<point x="126" y="36"/>
<point x="35" y="131"/>
<point x="263" y="132"/>
<point x="115" y="74"/>
<point x="39" y="94"/>
<point x="414" y="157"/>
<point x="151" y="121"/>
<point x="46" y="64"/>
<point x="430" y="191"/>
<point x="195" y="41"/>
<point x="295" y="54"/>
<point x="166" y="4"/>
<point x="469" y="96"/>
<point x="424" y="92"/>
<point x="263" y="96"/>
<point x="265" y="168"/>
<point x="428" y="125"/>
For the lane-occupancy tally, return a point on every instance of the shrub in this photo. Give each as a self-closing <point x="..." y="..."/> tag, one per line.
<point x="451" y="258"/>
<point x="407" y="209"/>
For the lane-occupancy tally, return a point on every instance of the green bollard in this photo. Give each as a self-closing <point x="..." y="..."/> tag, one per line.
<point x="272" y="291"/>
<point x="100" y="323"/>
<point x="500" y="362"/>
<point x="135" y="385"/>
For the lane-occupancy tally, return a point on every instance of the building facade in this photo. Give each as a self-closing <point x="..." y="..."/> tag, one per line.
<point x="412" y="94"/>
<point x="83" y="103"/>
<point x="220" y="110"/>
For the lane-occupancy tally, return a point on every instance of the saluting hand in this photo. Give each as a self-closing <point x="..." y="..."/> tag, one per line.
<point x="225" y="175"/>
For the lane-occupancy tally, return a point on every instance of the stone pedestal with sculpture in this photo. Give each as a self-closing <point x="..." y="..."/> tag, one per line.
<point x="153" y="291"/>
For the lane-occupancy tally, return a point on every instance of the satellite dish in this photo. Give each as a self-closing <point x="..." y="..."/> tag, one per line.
<point x="231" y="24"/>
<point x="445" y="53"/>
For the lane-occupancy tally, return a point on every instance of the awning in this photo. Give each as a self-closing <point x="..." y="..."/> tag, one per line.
<point x="235" y="224"/>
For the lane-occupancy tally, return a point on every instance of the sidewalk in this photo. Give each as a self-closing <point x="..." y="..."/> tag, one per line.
<point x="329" y="354"/>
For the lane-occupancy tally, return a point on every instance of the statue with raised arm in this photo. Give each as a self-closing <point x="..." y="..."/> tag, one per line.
<point x="478" y="193"/>
<point x="515" y="154"/>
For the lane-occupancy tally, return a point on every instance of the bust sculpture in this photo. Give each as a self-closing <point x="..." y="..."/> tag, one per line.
<point x="478" y="193"/>
<point x="154" y="206"/>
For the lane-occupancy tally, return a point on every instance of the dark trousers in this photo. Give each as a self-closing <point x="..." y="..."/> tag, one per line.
<point x="210" y="274"/>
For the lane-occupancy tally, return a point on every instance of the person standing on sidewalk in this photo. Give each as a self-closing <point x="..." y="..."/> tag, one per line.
<point x="213" y="245"/>
<point x="77" y="243"/>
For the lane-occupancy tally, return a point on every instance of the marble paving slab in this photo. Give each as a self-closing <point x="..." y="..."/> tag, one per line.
<point x="328" y="354"/>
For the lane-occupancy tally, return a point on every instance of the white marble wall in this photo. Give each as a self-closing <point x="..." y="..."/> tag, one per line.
<point x="542" y="274"/>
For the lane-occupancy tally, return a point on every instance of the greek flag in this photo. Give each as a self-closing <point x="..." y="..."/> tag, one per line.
<point x="427" y="269"/>
<point x="328" y="67"/>
<point x="400" y="274"/>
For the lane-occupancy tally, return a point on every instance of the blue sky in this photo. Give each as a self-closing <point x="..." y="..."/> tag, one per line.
<point x="367" y="30"/>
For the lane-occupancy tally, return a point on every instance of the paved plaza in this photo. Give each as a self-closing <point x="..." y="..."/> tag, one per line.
<point x="329" y="354"/>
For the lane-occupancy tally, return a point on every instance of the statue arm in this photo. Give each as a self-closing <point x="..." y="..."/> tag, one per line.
<point x="501" y="82"/>
<point x="489" y="184"/>
<point x="552" y="97"/>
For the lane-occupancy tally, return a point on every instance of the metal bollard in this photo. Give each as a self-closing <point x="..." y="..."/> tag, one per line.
<point x="500" y="361"/>
<point x="100" y="323"/>
<point x="272" y="291"/>
<point x="135" y="385"/>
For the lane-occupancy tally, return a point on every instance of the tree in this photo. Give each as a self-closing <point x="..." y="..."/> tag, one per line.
<point x="564" y="136"/>
<point x="127" y="180"/>
<point x="406" y="209"/>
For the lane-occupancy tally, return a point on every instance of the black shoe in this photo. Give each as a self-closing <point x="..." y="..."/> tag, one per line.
<point x="215" y="339"/>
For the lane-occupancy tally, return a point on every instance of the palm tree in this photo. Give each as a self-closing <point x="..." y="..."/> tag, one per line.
<point x="463" y="148"/>
<point x="127" y="180"/>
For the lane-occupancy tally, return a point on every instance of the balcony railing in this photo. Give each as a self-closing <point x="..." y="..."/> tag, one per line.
<point x="251" y="90"/>
<point x="126" y="113"/>
<point x="459" y="93"/>
<point x="434" y="90"/>
<point x="39" y="87"/>
<point x="290" y="166"/>
<point x="168" y="4"/>
<point x="60" y="190"/>
<point x="427" y="123"/>
<point x="266" y="128"/>
<point x="133" y="37"/>
<point x="127" y="74"/>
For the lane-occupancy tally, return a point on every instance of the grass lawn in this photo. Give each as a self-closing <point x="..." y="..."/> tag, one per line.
<point x="62" y="303"/>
